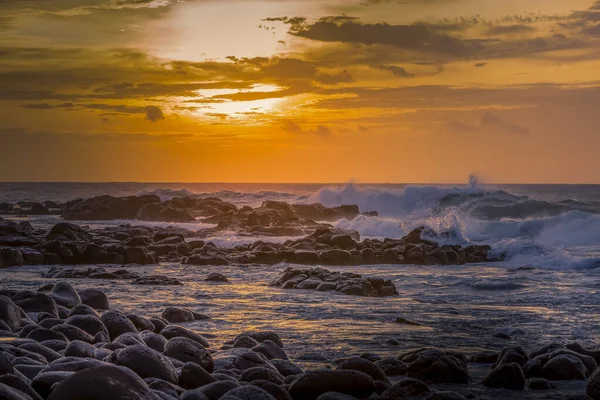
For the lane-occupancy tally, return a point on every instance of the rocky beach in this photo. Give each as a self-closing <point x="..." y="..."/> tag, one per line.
<point x="198" y="297"/>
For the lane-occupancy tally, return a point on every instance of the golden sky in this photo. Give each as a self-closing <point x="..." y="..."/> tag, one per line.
<point x="300" y="90"/>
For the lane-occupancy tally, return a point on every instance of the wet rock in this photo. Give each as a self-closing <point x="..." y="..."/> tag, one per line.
<point x="79" y="349"/>
<point x="261" y="373"/>
<point x="41" y="334"/>
<point x="101" y="383"/>
<point x="593" y="385"/>
<point x="565" y="367"/>
<point x="405" y="321"/>
<point x="335" y="396"/>
<point x="154" y="340"/>
<point x="156" y="280"/>
<point x="173" y="331"/>
<point x="141" y="323"/>
<point x="162" y="212"/>
<point x="35" y="302"/>
<point x="72" y="332"/>
<point x="406" y="389"/>
<point x="365" y="366"/>
<point x="436" y="366"/>
<point x="117" y="323"/>
<point x="312" y="384"/>
<point x="392" y="366"/>
<point x="18" y="383"/>
<point x="10" y="313"/>
<point x="178" y="315"/>
<point x="270" y="350"/>
<point x="129" y="339"/>
<point x="42" y="350"/>
<point x="147" y="363"/>
<point x="347" y="283"/>
<point x="65" y="295"/>
<point x="83" y="309"/>
<point x="193" y="376"/>
<point x="275" y="390"/>
<point x="137" y="255"/>
<point x="94" y="298"/>
<point x="216" y="277"/>
<point x="9" y="393"/>
<point x="506" y="376"/>
<point x="42" y="383"/>
<point x="245" y="342"/>
<point x="187" y="350"/>
<point x="215" y="390"/>
<point x="510" y="355"/>
<point x="88" y="323"/>
<point x="201" y="259"/>
<point x="247" y="393"/>
<point x="540" y="384"/>
<point x="261" y="336"/>
<point x="286" y="368"/>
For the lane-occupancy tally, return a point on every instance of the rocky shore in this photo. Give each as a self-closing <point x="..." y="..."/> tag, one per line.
<point x="318" y="242"/>
<point x="64" y="343"/>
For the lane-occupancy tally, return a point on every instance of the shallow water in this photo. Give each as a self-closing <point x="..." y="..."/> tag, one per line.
<point x="459" y="307"/>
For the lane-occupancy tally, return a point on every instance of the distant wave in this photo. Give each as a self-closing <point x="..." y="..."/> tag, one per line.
<point x="242" y="198"/>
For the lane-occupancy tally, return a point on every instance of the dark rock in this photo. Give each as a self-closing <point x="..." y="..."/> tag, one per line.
<point x="193" y="376"/>
<point x="94" y="298"/>
<point x="593" y="385"/>
<point x="407" y="389"/>
<point x="178" y="315"/>
<point x="147" y="363"/>
<point x="35" y="302"/>
<point x="392" y="366"/>
<point x="187" y="350"/>
<point x="540" y="384"/>
<point x="212" y="391"/>
<point x="42" y="350"/>
<point x="286" y="368"/>
<point x="216" y="277"/>
<point x="88" y="323"/>
<point x="261" y="373"/>
<point x="173" y="331"/>
<point x="156" y="280"/>
<point x="506" y="376"/>
<point x="311" y="385"/>
<point x="154" y="340"/>
<point x="79" y="349"/>
<point x="247" y="393"/>
<point x="565" y="367"/>
<point x="42" y="383"/>
<point x="162" y="212"/>
<point x="117" y="323"/>
<point x="261" y="336"/>
<point x="137" y="255"/>
<point x="65" y="295"/>
<point x="10" y="313"/>
<point x="72" y="332"/>
<point x="245" y="342"/>
<point x="83" y="309"/>
<point x="270" y="350"/>
<point x="10" y="393"/>
<point x="141" y="323"/>
<point x="436" y="366"/>
<point x="19" y="384"/>
<point x="101" y="383"/>
<point x="365" y="366"/>
<point x="41" y="334"/>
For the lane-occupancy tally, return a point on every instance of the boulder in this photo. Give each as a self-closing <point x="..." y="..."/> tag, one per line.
<point x="172" y="331"/>
<point x="10" y="313"/>
<point x="177" y="315"/>
<point x="193" y="376"/>
<point x="506" y="376"/>
<point x="101" y="383"/>
<point x="117" y="323"/>
<point x="146" y="362"/>
<point x="312" y="384"/>
<point x="365" y="366"/>
<point x="94" y="298"/>
<point x="187" y="350"/>
<point x="64" y="295"/>
<point x="437" y="366"/>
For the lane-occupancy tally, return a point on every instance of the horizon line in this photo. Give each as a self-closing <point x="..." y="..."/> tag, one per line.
<point x="294" y="183"/>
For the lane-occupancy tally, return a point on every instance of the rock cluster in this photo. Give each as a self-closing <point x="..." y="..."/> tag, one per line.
<point x="62" y="343"/>
<point x="71" y="244"/>
<point x="324" y="280"/>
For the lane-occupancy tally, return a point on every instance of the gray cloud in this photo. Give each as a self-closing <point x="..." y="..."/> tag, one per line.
<point x="398" y="71"/>
<point x="496" y="121"/>
<point x="294" y="128"/>
<point x="154" y="114"/>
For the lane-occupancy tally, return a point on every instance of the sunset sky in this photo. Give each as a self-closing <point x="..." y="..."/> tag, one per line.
<point x="300" y="90"/>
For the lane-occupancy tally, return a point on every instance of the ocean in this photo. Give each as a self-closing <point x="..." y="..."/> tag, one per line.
<point x="543" y="226"/>
<point x="555" y="229"/>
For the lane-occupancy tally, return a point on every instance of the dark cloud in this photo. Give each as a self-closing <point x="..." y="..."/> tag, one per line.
<point x="398" y="71"/>
<point x="496" y="121"/>
<point x="419" y="37"/>
<point x="480" y="65"/>
<point x="154" y="114"/>
<point x="294" y="128"/>
<point x="509" y="29"/>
